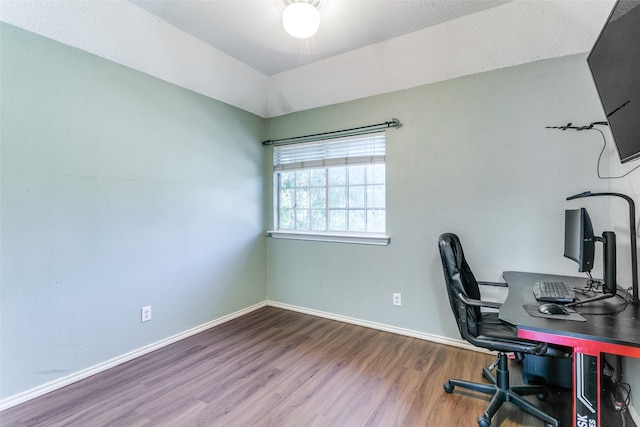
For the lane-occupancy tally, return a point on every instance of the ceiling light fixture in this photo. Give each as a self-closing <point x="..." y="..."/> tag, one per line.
<point x="301" y="20"/>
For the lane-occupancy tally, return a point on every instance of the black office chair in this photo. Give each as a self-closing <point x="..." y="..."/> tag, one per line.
<point x="486" y="330"/>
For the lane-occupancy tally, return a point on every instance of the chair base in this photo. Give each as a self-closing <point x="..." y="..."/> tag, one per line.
<point x="501" y="391"/>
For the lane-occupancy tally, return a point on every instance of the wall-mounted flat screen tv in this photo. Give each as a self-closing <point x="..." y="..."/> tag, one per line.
<point x="614" y="62"/>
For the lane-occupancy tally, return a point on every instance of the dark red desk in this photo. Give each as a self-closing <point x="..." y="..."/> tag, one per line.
<point x="610" y="333"/>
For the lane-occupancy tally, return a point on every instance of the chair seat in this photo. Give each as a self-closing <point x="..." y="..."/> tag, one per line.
<point x="491" y="327"/>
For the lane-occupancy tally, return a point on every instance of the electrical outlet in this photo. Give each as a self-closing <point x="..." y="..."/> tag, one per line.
<point x="145" y="314"/>
<point x="397" y="299"/>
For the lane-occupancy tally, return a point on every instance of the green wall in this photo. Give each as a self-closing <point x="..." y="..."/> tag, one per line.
<point x="118" y="191"/>
<point x="474" y="158"/>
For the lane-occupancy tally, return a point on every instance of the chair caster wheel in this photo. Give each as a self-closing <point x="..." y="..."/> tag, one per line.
<point x="483" y="421"/>
<point x="448" y="387"/>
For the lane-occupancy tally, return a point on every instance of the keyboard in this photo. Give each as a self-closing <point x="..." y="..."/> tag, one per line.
<point x="558" y="292"/>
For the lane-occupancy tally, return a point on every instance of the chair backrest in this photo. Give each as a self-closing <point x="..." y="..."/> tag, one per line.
<point x="459" y="279"/>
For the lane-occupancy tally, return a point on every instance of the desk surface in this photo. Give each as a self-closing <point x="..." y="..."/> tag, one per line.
<point x="617" y="329"/>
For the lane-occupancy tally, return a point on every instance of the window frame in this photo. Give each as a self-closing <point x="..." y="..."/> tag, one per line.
<point x="327" y="235"/>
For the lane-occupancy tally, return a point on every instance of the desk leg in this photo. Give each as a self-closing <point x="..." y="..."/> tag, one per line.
<point x="586" y="390"/>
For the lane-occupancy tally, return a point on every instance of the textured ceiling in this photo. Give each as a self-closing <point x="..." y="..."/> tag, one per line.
<point x="350" y="58"/>
<point x="251" y="30"/>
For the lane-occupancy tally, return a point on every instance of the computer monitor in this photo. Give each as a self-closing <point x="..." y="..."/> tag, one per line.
<point x="579" y="240"/>
<point x="579" y="245"/>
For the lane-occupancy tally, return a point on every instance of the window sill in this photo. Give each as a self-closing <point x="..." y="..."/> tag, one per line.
<point x="377" y="239"/>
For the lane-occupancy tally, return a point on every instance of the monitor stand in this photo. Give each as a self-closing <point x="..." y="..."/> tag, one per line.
<point x="609" y="285"/>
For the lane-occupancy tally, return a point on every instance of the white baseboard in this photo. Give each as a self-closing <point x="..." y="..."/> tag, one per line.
<point x="380" y="326"/>
<point x="85" y="373"/>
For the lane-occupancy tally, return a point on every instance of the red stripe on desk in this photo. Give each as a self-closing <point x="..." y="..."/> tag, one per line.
<point x="581" y="345"/>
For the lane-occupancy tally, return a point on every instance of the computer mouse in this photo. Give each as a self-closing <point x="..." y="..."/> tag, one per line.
<point x="552" y="308"/>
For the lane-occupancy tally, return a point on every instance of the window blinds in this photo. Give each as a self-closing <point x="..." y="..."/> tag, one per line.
<point x="364" y="149"/>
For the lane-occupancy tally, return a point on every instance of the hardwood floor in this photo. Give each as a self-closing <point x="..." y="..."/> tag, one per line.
<point x="275" y="367"/>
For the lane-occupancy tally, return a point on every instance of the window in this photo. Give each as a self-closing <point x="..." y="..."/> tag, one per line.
<point x="332" y="187"/>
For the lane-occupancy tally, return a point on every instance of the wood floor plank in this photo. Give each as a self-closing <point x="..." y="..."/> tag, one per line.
<point x="274" y="367"/>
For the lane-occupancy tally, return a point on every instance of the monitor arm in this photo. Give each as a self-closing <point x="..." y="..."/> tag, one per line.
<point x="632" y="230"/>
